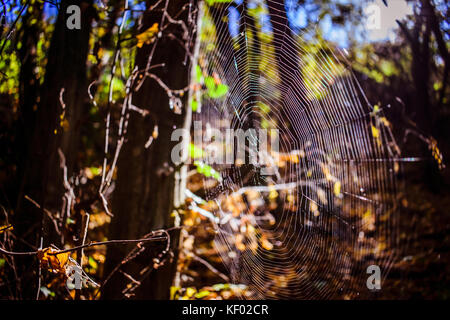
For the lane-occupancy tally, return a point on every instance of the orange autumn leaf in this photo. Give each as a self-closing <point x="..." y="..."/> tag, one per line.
<point x="240" y="242"/>
<point x="52" y="261"/>
<point x="147" y="36"/>
<point x="265" y="243"/>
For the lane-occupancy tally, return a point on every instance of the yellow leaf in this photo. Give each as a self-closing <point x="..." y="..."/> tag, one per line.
<point x="273" y="194"/>
<point x="190" y="292"/>
<point x="322" y="196"/>
<point x="314" y="209"/>
<point x="375" y="132"/>
<point x="64" y="124"/>
<point x="174" y="292"/>
<point x="5" y="228"/>
<point x="337" y="188"/>
<point x="368" y="220"/>
<point x="326" y="172"/>
<point x="294" y="158"/>
<point x="147" y="36"/>
<point x="385" y="121"/>
<point x="396" y="167"/>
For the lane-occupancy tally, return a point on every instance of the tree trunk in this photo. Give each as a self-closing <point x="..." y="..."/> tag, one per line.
<point x="148" y="182"/>
<point x="56" y="128"/>
<point x="28" y="88"/>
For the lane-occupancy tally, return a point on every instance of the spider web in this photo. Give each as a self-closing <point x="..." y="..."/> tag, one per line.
<point x="328" y="211"/>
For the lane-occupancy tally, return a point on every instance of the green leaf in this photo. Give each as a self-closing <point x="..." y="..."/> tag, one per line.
<point x="202" y="294"/>
<point x="198" y="74"/>
<point x="215" y="91"/>
<point x="264" y="107"/>
<point x="195" y="152"/>
<point x="194" y="105"/>
<point x="220" y="286"/>
<point x="221" y="90"/>
<point x="207" y="170"/>
<point x="95" y="171"/>
<point x="92" y="263"/>
<point x="209" y="83"/>
<point x="212" y="2"/>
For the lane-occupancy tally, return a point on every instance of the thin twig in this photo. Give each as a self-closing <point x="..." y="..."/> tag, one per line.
<point x="208" y="265"/>
<point x="92" y="244"/>
<point x="86" y="227"/>
<point x="13" y="26"/>
<point x="48" y="212"/>
<point x="39" y="273"/>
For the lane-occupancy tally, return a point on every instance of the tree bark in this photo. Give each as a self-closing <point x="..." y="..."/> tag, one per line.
<point x="148" y="182"/>
<point x="28" y="87"/>
<point x="42" y="181"/>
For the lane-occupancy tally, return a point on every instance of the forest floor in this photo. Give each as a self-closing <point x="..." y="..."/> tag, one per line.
<point x="419" y="271"/>
<point x="423" y="270"/>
